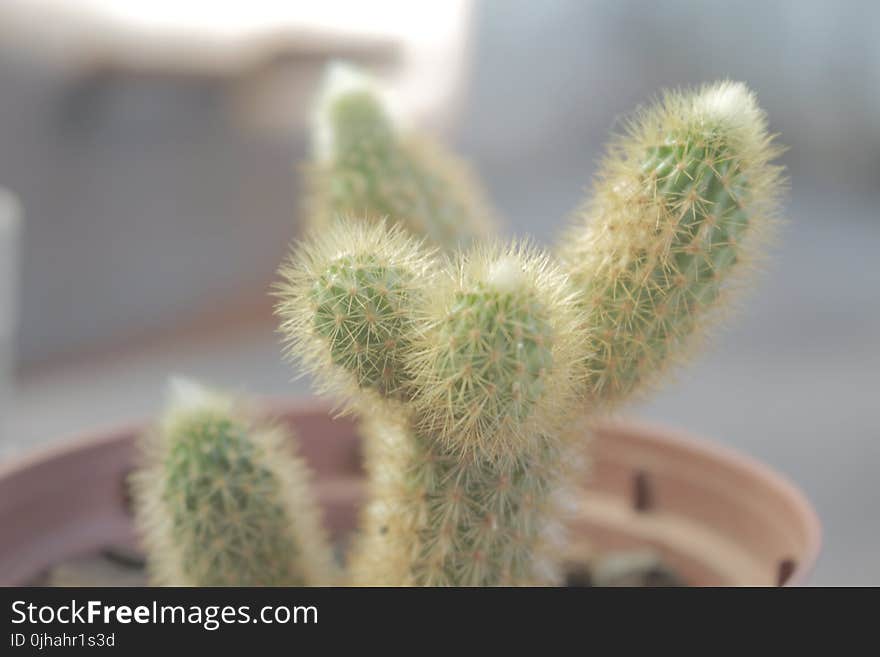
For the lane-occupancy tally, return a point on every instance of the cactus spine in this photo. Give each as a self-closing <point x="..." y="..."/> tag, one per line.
<point x="681" y="206"/>
<point x="223" y="501"/>
<point x="365" y="169"/>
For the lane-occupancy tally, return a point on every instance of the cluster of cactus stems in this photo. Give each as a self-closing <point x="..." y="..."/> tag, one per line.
<point x="470" y="361"/>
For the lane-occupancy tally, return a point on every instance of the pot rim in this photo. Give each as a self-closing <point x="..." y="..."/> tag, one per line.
<point x="682" y="441"/>
<point x="109" y="433"/>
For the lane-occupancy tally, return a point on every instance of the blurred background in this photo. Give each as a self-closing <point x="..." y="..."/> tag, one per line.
<point x="151" y="151"/>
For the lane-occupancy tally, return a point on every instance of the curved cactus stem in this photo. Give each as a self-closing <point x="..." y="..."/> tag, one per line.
<point x="365" y="168"/>
<point x="223" y="501"/>
<point x="681" y="208"/>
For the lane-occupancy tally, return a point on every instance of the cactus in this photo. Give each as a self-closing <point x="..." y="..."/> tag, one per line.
<point x="347" y="303"/>
<point x="474" y="388"/>
<point x="473" y="374"/>
<point x="365" y="169"/>
<point x="494" y="366"/>
<point x="492" y="362"/>
<point x="223" y="501"/>
<point x="681" y="207"/>
<point x="438" y="518"/>
<point x="465" y="463"/>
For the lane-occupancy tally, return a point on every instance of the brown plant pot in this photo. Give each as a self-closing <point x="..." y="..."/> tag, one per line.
<point x="713" y="516"/>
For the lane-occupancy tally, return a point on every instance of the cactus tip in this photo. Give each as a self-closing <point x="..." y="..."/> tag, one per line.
<point x="186" y="393"/>
<point x="506" y="275"/>
<point x="340" y="79"/>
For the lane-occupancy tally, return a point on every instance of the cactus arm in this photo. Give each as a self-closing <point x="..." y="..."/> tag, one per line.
<point x="346" y="304"/>
<point x="364" y="168"/>
<point x="681" y="208"/>
<point x="493" y="363"/>
<point x="221" y="501"/>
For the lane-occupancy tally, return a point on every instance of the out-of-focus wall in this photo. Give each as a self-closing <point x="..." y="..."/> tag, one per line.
<point x="158" y="171"/>
<point x="10" y="228"/>
<point x="144" y="203"/>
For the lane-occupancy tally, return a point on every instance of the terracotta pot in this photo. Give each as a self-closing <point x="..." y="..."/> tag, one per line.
<point x="715" y="517"/>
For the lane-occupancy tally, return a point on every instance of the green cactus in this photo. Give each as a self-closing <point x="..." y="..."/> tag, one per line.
<point x="492" y="362"/>
<point x="681" y="206"/>
<point x="365" y="169"/>
<point x="465" y="463"/>
<point x="494" y="366"/>
<point x="222" y="501"/>
<point x="347" y="301"/>
<point x="480" y="381"/>
<point x="438" y="518"/>
<point x="472" y="374"/>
